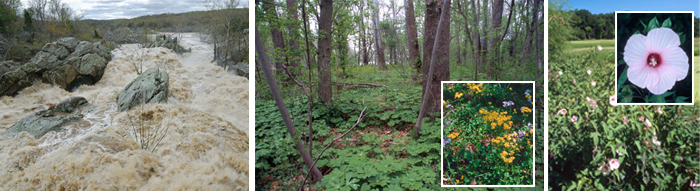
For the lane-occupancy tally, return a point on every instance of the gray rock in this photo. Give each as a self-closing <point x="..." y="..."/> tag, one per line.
<point x="66" y="63"/>
<point x="40" y="123"/>
<point x="150" y="87"/>
<point x="69" y="105"/>
<point x="6" y="66"/>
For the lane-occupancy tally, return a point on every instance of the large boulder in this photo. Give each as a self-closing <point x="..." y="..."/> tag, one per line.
<point x="67" y="63"/>
<point x="40" y="123"/>
<point x="150" y="87"/>
<point x="167" y="42"/>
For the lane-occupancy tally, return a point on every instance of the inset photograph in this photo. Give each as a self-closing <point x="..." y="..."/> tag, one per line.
<point x="488" y="134"/>
<point x="654" y="58"/>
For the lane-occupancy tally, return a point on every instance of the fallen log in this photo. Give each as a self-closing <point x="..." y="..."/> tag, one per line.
<point x="364" y="85"/>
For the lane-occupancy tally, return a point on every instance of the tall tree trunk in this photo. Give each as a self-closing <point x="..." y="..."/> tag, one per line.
<point x="412" y="32"/>
<point x="306" y="156"/>
<point x="292" y="44"/>
<point x="477" y="47"/>
<point x="496" y="16"/>
<point x="325" y="89"/>
<point x="484" y="42"/>
<point x="363" y="35"/>
<point x="536" y="27"/>
<point x="277" y="39"/>
<point x="442" y="61"/>
<point x="378" y="38"/>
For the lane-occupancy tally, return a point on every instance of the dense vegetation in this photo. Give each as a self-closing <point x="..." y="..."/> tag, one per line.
<point x="333" y="59"/>
<point x="595" y="144"/>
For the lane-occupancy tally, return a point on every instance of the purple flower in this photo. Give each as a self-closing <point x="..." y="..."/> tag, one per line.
<point x="445" y="141"/>
<point x="508" y="103"/>
<point x="521" y="133"/>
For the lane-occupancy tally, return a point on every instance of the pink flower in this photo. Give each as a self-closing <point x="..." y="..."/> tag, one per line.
<point x="589" y="72"/>
<point x="574" y="119"/>
<point x="562" y="112"/>
<point x="592" y="83"/>
<point x="614" y="164"/>
<point x="625" y="119"/>
<point x="658" y="110"/>
<point x="613" y="100"/>
<point x="561" y="73"/>
<point x="574" y="81"/>
<point x="647" y="123"/>
<point x="655" y="61"/>
<point x="600" y="48"/>
<point x="592" y="102"/>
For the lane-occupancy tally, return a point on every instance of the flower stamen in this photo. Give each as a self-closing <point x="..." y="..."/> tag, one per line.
<point x="653" y="59"/>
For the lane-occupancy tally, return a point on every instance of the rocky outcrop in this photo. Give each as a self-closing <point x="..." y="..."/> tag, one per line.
<point x="167" y="42"/>
<point x="67" y="63"/>
<point x="120" y="35"/>
<point x="150" y="87"/>
<point x="40" y="123"/>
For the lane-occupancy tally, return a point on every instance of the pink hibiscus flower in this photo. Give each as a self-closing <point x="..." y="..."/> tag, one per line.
<point x="613" y="100"/>
<point x="656" y="61"/>
<point x="614" y="164"/>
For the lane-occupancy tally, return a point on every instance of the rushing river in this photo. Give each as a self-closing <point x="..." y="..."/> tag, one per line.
<point x="205" y="147"/>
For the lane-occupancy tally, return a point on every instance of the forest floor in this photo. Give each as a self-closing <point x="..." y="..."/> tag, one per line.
<point x="380" y="153"/>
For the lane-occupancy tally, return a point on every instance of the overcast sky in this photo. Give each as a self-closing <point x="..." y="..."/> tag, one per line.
<point x="118" y="9"/>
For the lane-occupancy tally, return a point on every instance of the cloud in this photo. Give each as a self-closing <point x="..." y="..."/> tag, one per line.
<point x="118" y="9"/>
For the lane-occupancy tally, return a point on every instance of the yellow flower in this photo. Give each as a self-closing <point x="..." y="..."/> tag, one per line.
<point x="528" y="96"/>
<point x="462" y="177"/>
<point x="493" y="125"/>
<point x="458" y="95"/>
<point x="510" y="88"/>
<point x="453" y="135"/>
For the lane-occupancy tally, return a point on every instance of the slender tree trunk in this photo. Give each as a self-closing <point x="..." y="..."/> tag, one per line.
<point x="413" y="49"/>
<point x="442" y="53"/>
<point x="325" y="89"/>
<point x="316" y="174"/>
<point x="477" y="47"/>
<point x="536" y="27"/>
<point x="378" y="38"/>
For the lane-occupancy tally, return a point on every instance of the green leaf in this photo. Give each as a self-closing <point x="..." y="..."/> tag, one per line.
<point x="622" y="79"/>
<point x="681" y="99"/>
<point x="653" y="23"/>
<point x="667" y="23"/>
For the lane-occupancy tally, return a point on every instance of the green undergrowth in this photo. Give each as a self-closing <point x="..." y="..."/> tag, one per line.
<point x="379" y="154"/>
<point x="595" y="145"/>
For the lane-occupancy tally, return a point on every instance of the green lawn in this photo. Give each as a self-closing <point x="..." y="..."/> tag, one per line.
<point x="579" y="45"/>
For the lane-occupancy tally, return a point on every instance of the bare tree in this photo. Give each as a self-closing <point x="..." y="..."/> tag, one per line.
<point x="378" y="38"/>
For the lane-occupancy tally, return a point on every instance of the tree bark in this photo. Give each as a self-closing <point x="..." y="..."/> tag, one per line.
<point x="413" y="49"/>
<point x="316" y="174"/>
<point x="477" y="39"/>
<point x="439" y="53"/>
<point x="442" y="53"/>
<point x="378" y="39"/>
<point x="496" y="16"/>
<point x="292" y="44"/>
<point x="277" y="39"/>
<point x="325" y="89"/>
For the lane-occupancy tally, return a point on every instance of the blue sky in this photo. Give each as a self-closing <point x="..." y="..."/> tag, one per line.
<point x="609" y="6"/>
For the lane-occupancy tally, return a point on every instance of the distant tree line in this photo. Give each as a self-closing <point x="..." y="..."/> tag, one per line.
<point x="598" y="26"/>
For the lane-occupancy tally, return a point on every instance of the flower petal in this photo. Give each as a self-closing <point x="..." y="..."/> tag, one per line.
<point x="667" y="78"/>
<point x="676" y="57"/>
<point x="636" y="51"/>
<point x="643" y="76"/>
<point x="660" y="39"/>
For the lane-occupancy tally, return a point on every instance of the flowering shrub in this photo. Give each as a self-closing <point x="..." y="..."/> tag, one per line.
<point x="487" y="134"/>
<point x="598" y="145"/>
<point x="653" y="61"/>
